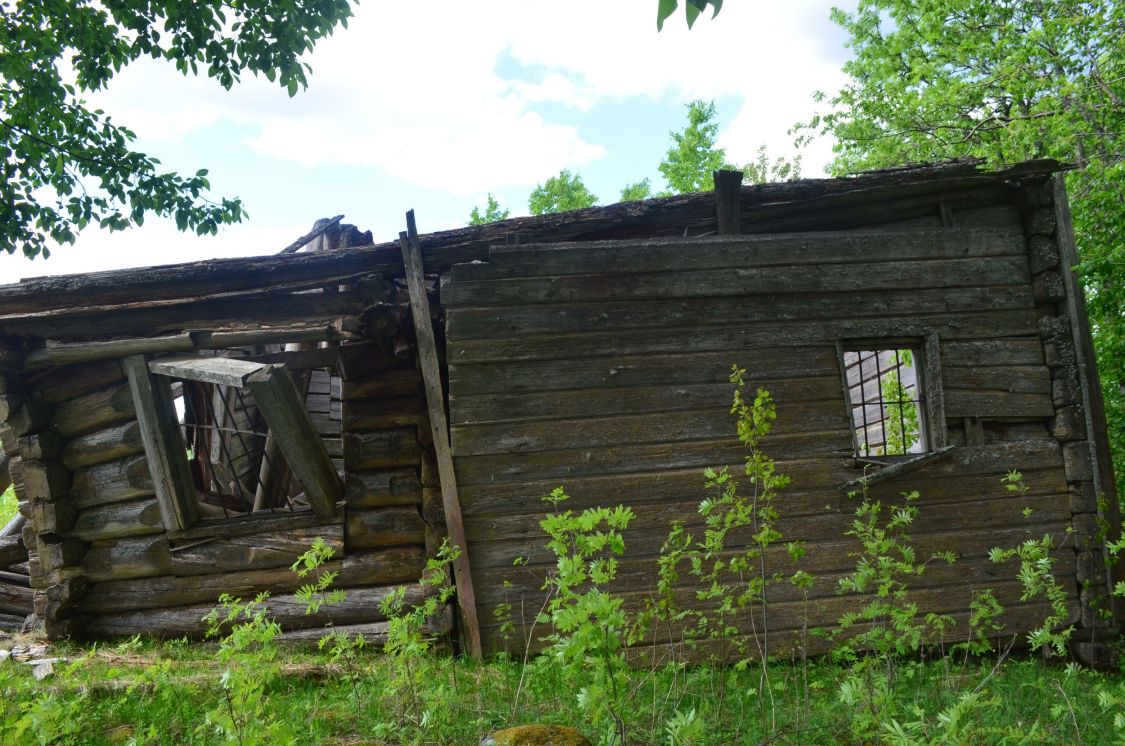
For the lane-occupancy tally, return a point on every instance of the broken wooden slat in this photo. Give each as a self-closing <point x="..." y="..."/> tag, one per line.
<point x="222" y="371"/>
<point x="164" y="444"/>
<point x="296" y="436"/>
<point x="728" y="197"/>
<point x="435" y="400"/>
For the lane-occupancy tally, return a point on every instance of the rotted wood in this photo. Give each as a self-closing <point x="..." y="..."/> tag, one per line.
<point x="435" y="400"/>
<point x="15" y="599"/>
<point x="164" y="444"/>
<point x="382" y="449"/>
<point x="259" y="523"/>
<point x="403" y="564"/>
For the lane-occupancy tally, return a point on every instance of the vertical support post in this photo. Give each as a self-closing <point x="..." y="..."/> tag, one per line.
<point x="435" y="401"/>
<point x="728" y="201"/>
<point x="936" y="428"/>
<point x="164" y="444"/>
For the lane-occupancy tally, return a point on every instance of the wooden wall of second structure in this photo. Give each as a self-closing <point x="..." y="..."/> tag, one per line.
<point x="602" y="367"/>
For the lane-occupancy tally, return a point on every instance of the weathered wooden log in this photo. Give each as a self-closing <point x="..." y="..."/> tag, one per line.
<point x="94" y="411"/>
<point x="116" y="520"/>
<point x="170" y="590"/>
<point x="10" y="403"/>
<point x="110" y="444"/>
<point x="382" y="413"/>
<point x="383" y="566"/>
<point x="382" y="449"/>
<point x="399" y="382"/>
<point x="31" y="417"/>
<point x="378" y="489"/>
<point x="40" y="446"/>
<point x="39" y="480"/>
<point x="12" y="622"/>
<point x="361" y="606"/>
<point x="133" y="557"/>
<point x="12" y="551"/>
<point x="384" y="527"/>
<point x="253" y="552"/>
<point x="110" y="482"/>
<point x="57" y="385"/>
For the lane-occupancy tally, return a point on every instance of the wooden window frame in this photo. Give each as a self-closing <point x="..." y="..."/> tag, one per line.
<point x="279" y="402"/>
<point x="928" y="372"/>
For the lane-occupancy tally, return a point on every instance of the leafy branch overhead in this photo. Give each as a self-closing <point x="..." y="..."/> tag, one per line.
<point x="68" y="165"/>
<point x="692" y="9"/>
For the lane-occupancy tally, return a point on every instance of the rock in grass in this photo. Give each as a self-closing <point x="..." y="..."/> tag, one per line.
<point x="536" y="735"/>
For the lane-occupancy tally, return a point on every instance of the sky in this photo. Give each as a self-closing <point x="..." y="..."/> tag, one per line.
<point x="433" y="104"/>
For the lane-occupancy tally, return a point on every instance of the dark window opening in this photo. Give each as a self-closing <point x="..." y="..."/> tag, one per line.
<point x="885" y="393"/>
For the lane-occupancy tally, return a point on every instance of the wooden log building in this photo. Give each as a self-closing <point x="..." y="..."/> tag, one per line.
<point x="181" y="431"/>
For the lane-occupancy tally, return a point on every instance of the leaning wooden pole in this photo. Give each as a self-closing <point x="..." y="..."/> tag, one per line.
<point x="435" y="401"/>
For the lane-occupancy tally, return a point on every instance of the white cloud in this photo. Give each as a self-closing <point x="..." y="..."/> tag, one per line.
<point x="414" y="89"/>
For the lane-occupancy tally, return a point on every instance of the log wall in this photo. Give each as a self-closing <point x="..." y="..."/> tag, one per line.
<point x="603" y="367"/>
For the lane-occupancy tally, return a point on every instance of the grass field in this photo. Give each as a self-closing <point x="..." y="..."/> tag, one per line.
<point x="173" y="693"/>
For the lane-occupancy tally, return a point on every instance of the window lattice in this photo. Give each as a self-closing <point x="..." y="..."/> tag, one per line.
<point x="886" y="402"/>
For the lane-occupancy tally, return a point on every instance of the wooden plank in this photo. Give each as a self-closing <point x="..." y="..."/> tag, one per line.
<point x="382" y="449"/>
<point x="164" y="444"/>
<point x="222" y="371"/>
<point x="997" y="403"/>
<point x="764" y="337"/>
<point x="256" y="523"/>
<point x="679" y="254"/>
<point x="629" y="429"/>
<point x="293" y="431"/>
<point x="383" y="566"/>
<point x="937" y="432"/>
<point x="590" y="402"/>
<point x="991" y="352"/>
<point x="435" y="400"/>
<point x="402" y="382"/>
<point x="564" y="465"/>
<point x="12" y="551"/>
<point x="1021" y="379"/>
<point x="709" y="283"/>
<point x="664" y="370"/>
<point x="488" y="321"/>
<point x="253" y="552"/>
<point x="67" y="353"/>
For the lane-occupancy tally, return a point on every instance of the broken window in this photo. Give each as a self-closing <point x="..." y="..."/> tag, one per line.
<point x="886" y="399"/>
<point x="230" y="436"/>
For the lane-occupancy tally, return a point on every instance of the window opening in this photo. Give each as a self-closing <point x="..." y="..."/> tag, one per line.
<point x="253" y="437"/>
<point x="885" y="393"/>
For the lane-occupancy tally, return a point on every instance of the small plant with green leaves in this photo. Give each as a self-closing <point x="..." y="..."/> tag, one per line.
<point x="248" y="655"/>
<point x="590" y="628"/>
<point x="1037" y="578"/>
<point x="418" y="699"/>
<point x="874" y="639"/>
<point x="733" y="581"/>
<point x="320" y="592"/>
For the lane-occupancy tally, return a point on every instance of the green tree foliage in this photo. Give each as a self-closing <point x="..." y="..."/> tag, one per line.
<point x="763" y="170"/>
<point x="637" y="191"/>
<point x="560" y="194"/>
<point x="493" y="213"/>
<point x="693" y="158"/>
<point x="66" y="165"/>
<point x="1006" y="80"/>
<point x="692" y="9"/>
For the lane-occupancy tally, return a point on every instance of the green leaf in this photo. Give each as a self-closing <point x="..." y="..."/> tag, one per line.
<point x="664" y="9"/>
